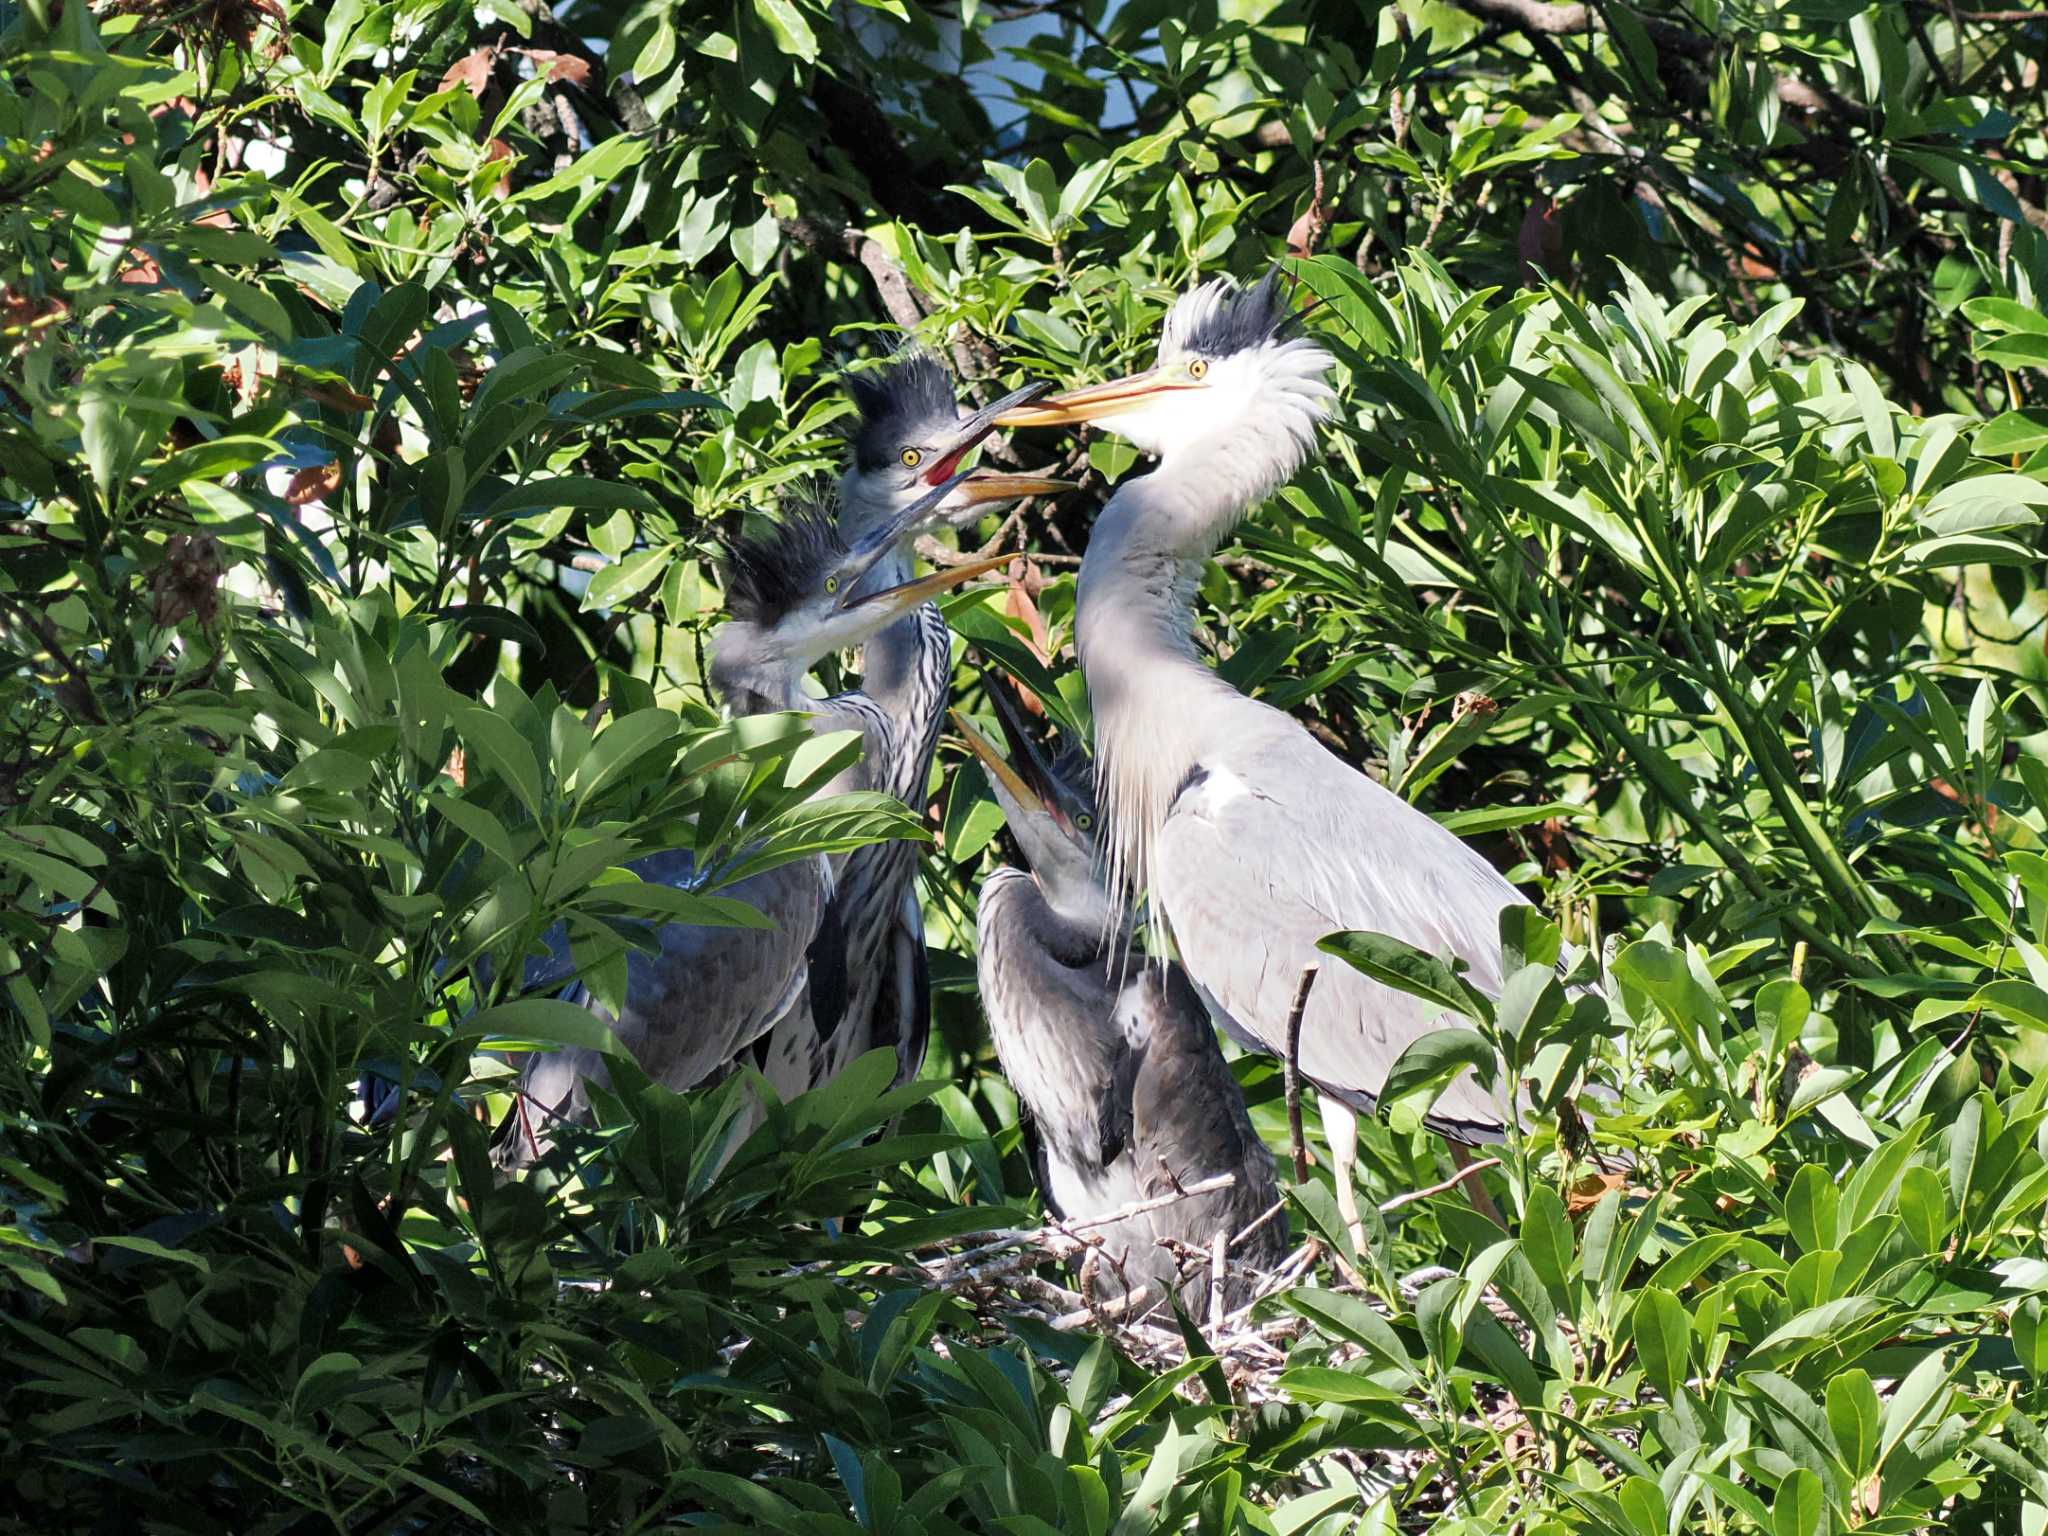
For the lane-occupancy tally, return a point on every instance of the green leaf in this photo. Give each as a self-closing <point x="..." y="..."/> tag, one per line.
<point x="2017" y="1002"/>
<point x="1404" y="968"/>
<point x="624" y="742"/>
<point x="542" y="1021"/>
<point x="754" y="245"/>
<point x="1853" y="1418"/>
<point x="1811" y="1206"/>
<point x="792" y="33"/>
<point x="1920" y="1396"/>
<point x="2030" y="1338"/>
<point x="571" y="491"/>
<point x="1801" y="1507"/>
<point x="1663" y="1335"/>
<point x="2014" y="432"/>
<point x="1547" y="1243"/>
<point x="1782" y="1007"/>
<point x="1426" y="1067"/>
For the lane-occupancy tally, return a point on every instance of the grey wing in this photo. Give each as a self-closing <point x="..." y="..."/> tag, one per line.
<point x="707" y="993"/>
<point x="1061" y="1045"/>
<point x="699" y="996"/>
<point x="1189" y="1122"/>
<point x="909" y="992"/>
<point x="1275" y="845"/>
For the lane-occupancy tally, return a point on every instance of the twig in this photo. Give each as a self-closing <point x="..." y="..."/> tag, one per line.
<point x="1145" y="1296"/>
<point x="1054" y="1233"/>
<point x="1264" y="1216"/>
<point x="1218" y="1250"/>
<point x="1451" y="1183"/>
<point x="1293" y="1073"/>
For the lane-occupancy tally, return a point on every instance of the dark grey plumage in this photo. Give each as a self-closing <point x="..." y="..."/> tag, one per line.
<point x="1127" y="1092"/>
<point x="699" y="997"/>
<point x="768" y="573"/>
<point x="906" y="406"/>
<point x="896" y="402"/>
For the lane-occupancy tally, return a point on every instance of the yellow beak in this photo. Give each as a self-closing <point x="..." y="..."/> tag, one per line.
<point x="911" y="593"/>
<point x="984" y="485"/>
<point x="993" y="761"/>
<point x="1099" y="400"/>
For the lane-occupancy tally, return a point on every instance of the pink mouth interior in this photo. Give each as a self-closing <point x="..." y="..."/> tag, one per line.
<point x="942" y="471"/>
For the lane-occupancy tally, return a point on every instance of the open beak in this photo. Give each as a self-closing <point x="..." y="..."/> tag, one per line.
<point x="954" y="503"/>
<point x="977" y="427"/>
<point x="901" y="599"/>
<point x="992" y="760"/>
<point x="1098" y="401"/>
<point x="1027" y="758"/>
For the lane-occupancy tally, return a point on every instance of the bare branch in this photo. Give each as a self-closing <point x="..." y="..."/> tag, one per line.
<point x="1451" y="1183"/>
<point x="1293" y="1073"/>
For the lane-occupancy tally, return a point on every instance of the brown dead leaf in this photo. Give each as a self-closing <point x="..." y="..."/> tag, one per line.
<point x="472" y="70"/>
<point x="1591" y="1190"/>
<point x="315" y="483"/>
<point x="326" y="391"/>
<point x="1307" y="231"/>
<point x="1022" y="605"/>
<point x="559" y="66"/>
<point x="458" y="768"/>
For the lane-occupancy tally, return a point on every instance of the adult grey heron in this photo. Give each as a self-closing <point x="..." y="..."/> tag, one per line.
<point x="1252" y="840"/>
<point x="699" y="995"/>
<point x="910" y="435"/>
<point x="1126" y="1094"/>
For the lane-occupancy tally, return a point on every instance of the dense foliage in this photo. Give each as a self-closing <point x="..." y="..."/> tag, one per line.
<point x="375" y="381"/>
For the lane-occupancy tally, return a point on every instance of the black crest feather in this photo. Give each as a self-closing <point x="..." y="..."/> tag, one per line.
<point x="1220" y="318"/>
<point x="911" y="388"/>
<point x="767" y="574"/>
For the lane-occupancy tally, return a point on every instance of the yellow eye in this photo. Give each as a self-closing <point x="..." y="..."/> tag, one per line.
<point x="912" y="458"/>
<point x="831" y="583"/>
<point x="1084" y="821"/>
<point x="1198" y="369"/>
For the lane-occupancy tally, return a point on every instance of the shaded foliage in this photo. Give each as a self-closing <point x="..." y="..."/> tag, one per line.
<point x="377" y="383"/>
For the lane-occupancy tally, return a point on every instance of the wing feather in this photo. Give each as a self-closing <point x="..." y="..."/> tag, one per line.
<point x="1275" y="844"/>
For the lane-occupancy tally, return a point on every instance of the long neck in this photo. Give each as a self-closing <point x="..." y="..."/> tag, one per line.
<point x="891" y="660"/>
<point x="1155" y="703"/>
<point x="748" y="687"/>
<point x="905" y="672"/>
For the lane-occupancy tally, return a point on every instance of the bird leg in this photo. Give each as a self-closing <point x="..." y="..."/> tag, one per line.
<point x="1340" y="1130"/>
<point x="1475" y="1191"/>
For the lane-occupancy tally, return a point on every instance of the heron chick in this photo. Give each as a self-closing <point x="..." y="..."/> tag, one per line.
<point x="1126" y="1093"/>
<point x="910" y="435"/>
<point x="696" y="995"/>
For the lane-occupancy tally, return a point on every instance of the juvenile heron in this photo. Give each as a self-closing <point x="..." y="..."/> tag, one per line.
<point x="910" y="436"/>
<point x="703" y="994"/>
<point x="1126" y="1093"/>
<point x="1253" y="840"/>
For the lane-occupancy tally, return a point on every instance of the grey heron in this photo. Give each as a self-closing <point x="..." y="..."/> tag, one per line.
<point x="702" y="994"/>
<point x="1126" y="1092"/>
<point x="1252" y="839"/>
<point x="910" y="436"/>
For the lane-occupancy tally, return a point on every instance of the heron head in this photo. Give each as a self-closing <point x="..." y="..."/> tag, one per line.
<point x="1229" y="374"/>
<point x="795" y="593"/>
<point x="911" y="435"/>
<point x="1048" y="803"/>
